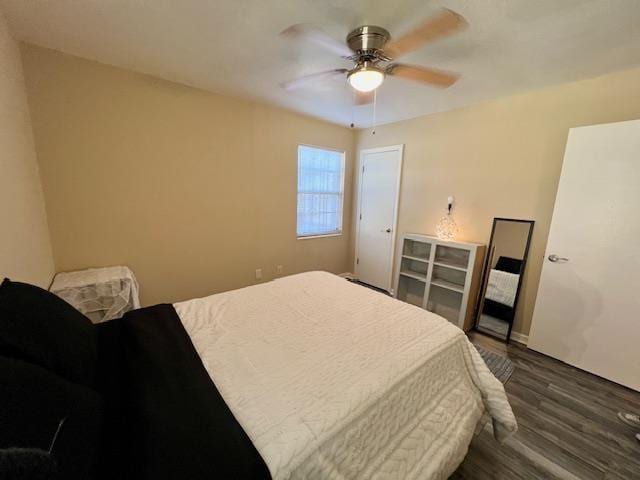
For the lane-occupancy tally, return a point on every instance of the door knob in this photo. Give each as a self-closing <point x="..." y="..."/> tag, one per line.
<point x="388" y="230"/>
<point x="555" y="258"/>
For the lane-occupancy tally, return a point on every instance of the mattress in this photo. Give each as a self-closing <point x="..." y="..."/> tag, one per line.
<point x="333" y="380"/>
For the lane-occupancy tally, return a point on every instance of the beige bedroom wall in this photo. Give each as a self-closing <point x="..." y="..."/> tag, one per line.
<point x="500" y="159"/>
<point x="192" y="190"/>
<point x="25" y="250"/>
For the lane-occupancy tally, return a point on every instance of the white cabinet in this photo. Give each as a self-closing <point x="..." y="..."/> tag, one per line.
<point x="440" y="276"/>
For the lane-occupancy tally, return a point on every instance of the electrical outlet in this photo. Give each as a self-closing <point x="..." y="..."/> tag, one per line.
<point x="258" y="274"/>
<point x="279" y="269"/>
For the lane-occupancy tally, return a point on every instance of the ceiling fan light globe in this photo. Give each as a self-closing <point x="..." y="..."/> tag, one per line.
<point x="366" y="80"/>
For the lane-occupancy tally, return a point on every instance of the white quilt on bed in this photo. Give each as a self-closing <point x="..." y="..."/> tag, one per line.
<point x="332" y="380"/>
<point x="502" y="287"/>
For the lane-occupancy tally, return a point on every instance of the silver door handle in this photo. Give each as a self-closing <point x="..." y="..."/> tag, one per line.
<point x="555" y="258"/>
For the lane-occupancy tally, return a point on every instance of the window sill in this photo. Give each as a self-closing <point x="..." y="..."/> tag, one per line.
<point x="324" y="235"/>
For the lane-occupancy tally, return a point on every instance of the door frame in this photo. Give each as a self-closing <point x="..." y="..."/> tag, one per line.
<point x="391" y="148"/>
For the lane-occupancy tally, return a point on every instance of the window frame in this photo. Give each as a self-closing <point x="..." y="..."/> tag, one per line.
<point x="340" y="230"/>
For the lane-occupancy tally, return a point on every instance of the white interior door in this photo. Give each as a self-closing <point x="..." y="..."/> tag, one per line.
<point x="587" y="311"/>
<point x="380" y="170"/>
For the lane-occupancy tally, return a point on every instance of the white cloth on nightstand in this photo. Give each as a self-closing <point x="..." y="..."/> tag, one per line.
<point x="100" y="293"/>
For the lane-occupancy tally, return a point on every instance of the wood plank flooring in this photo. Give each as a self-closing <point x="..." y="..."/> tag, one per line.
<point x="568" y="427"/>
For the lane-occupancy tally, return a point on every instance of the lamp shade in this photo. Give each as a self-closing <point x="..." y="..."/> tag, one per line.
<point x="366" y="79"/>
<point x="446" y="229"/>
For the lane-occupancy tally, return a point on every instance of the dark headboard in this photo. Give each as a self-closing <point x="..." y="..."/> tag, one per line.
<point x="509" y="265"/>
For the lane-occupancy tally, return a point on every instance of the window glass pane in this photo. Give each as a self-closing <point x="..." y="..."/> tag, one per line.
<point x="320" y="191"/>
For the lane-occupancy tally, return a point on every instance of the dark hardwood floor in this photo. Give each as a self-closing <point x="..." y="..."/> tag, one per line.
<point x="568" y="427"/>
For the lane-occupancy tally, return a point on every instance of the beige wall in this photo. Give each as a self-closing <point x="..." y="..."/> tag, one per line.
<point x="193" y="190"/>
<point x="500" y="158"/>
<point x="25" y="251"/>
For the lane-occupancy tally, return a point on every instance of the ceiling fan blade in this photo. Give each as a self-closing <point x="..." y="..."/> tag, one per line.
<point x="314" y="77"/>
<point x="444" y="23"/>
<point x="362" y="98"/>
<point x="429" y="76"/>
<point x="314" y="35"/>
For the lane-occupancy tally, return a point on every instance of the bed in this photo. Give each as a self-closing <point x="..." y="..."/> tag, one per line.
<point x="307" y="376"/>
<point x="333" y="380"/>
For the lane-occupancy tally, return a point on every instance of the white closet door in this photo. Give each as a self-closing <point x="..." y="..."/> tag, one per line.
<point x="377" y="211"/>
<point x="587" y="311"/>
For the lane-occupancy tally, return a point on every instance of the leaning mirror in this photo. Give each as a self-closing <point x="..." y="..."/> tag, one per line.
<point x="502" y="278"/>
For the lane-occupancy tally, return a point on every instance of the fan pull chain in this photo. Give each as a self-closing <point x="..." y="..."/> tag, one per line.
<point x="353" y="108"/>
<point x="375" y="104"/>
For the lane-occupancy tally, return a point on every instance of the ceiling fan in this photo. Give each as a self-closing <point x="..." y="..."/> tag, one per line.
<point x="373" y="51"/>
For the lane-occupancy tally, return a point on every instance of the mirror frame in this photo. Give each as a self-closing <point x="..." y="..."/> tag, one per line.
<point x="485" y="276"/>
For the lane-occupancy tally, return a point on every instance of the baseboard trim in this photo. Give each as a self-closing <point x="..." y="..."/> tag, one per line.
<point x="520" y="337"/>
<point x="346" y="275"/>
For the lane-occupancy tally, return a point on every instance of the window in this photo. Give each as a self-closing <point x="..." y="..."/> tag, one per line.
<point x="320" y="191"/>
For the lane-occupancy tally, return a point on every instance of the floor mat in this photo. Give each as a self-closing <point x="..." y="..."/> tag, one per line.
<point x="500" y="366"/>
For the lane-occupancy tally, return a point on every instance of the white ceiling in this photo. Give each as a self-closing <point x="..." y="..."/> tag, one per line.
<point x="232" y="46"/>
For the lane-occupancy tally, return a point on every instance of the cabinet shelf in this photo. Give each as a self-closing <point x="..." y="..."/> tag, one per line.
<point x="452" y="256"/>
<point x="454" y="287"/>
<point x="411" y="289"/>
<point x="417" y="249"/>
<point x="420" y="278"/>
<point x="451" y="266"/>
<point x="417" y="259"/>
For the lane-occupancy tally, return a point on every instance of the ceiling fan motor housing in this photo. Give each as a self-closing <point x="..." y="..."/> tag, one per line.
<point x="367" y="39"/>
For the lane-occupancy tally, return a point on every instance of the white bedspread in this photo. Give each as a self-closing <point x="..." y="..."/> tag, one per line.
<point x="332" y="380"/>
<point x="502" y="287"/>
